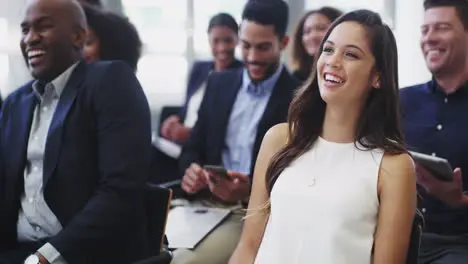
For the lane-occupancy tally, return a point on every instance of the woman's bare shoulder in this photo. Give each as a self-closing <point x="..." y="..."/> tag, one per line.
<point x="397" y="169"/>
<point x="276" y="137"/>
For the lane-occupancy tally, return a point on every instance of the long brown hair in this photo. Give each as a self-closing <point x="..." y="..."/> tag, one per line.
<point x="299" y="60"/>
<point x="379" y="122"/>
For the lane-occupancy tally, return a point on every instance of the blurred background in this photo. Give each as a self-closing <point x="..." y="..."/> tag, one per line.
<point x="174" y="33"/>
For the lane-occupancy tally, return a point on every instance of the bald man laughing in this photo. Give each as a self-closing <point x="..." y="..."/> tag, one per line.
<point x="75" y="146"/>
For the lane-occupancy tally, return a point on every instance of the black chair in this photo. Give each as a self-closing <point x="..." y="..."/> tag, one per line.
<point x="157" y="203"/>
<point x="415" y="242"/>
<point x="163" y="168"/>
<point x="176" y="188"/>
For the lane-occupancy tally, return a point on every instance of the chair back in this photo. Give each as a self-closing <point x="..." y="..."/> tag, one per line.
<point x="157" y="203"/>
<point x="415" y="242"/>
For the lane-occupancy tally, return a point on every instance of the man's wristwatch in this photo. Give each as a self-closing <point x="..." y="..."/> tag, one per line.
<point x="36" y="259"/>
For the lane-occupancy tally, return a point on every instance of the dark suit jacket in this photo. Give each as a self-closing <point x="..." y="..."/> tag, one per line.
<point x="96" y="163"/>
<point x="199" y="73"/>
<point x="207" y="139"/>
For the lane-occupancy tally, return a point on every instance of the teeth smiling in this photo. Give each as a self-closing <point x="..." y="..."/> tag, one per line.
<point x="35" y="53"/>
<point x="332" y="78"/>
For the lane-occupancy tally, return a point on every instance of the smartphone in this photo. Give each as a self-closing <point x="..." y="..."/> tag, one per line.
<point x="218" y="171"/>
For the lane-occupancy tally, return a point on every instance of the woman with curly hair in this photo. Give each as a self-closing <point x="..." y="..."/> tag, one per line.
<point x="111" y="37"/>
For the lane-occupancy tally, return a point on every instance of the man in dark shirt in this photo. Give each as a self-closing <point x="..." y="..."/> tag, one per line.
<point x="436" y="123"/>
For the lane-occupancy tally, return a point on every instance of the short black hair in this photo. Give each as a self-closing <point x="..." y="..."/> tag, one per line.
<point x="118" y="37"/>
<point x="460" y="5"/>
<point x="223" y="20"/>
<point x="268" y="12"/>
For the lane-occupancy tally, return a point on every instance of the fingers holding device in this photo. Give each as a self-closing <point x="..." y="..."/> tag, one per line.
<point x="218" y="171"/>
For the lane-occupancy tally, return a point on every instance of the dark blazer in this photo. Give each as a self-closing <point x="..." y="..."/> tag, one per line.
<point x="207" y="139"/>
<point x="96" y="163"/>
<point x="199" y="73"/>
<point x="301" y="76"/>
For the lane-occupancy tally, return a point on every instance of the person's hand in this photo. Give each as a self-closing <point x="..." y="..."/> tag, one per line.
<point x="167" y="126"/>
<point x="194" y="179"/>
<point x="449" y="192"/>
<point x="36" y="258"/>
<point x="42" y="259"/>
<point x="231" y="191"/>
<point x="179" y="133"/>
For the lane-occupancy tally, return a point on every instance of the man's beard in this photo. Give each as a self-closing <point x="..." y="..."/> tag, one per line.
<point x="271" y="68"/>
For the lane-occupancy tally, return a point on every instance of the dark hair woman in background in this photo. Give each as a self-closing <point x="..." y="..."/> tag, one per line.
<point x="307" y="38"/>
<point x="335" y="184"/>
<point x="223" y="37"/>
<point x="111" y="37"/>
<point x="91" y="2"/>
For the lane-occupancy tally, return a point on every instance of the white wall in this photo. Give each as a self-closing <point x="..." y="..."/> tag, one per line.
<point x="17" y="72"/>
<point x="113" y="5"/>
<point x="412" y="68"/>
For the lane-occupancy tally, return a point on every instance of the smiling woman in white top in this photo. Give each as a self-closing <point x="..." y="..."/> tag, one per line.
<point x="335" y="185"/>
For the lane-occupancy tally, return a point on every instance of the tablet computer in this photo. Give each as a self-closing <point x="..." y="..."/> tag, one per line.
<point x="439" y="167"/>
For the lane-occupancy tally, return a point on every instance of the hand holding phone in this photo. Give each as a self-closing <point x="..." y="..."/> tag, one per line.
<point x="230" y="187"/>
<point x="218" y="171"/>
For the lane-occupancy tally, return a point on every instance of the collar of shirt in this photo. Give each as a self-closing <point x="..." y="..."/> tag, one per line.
<point x="57" y="85"/>
<point x="262" y="88"/>
<point x="462" y="90"/>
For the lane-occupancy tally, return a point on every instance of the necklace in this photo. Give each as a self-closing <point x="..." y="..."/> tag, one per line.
<point x="313" y="182"/>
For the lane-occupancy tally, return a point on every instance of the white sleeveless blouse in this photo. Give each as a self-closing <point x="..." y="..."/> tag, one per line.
<point x="324" y="207"/>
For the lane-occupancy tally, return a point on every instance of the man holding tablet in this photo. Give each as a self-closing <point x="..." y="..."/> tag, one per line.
<point x="436" y="123"/>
